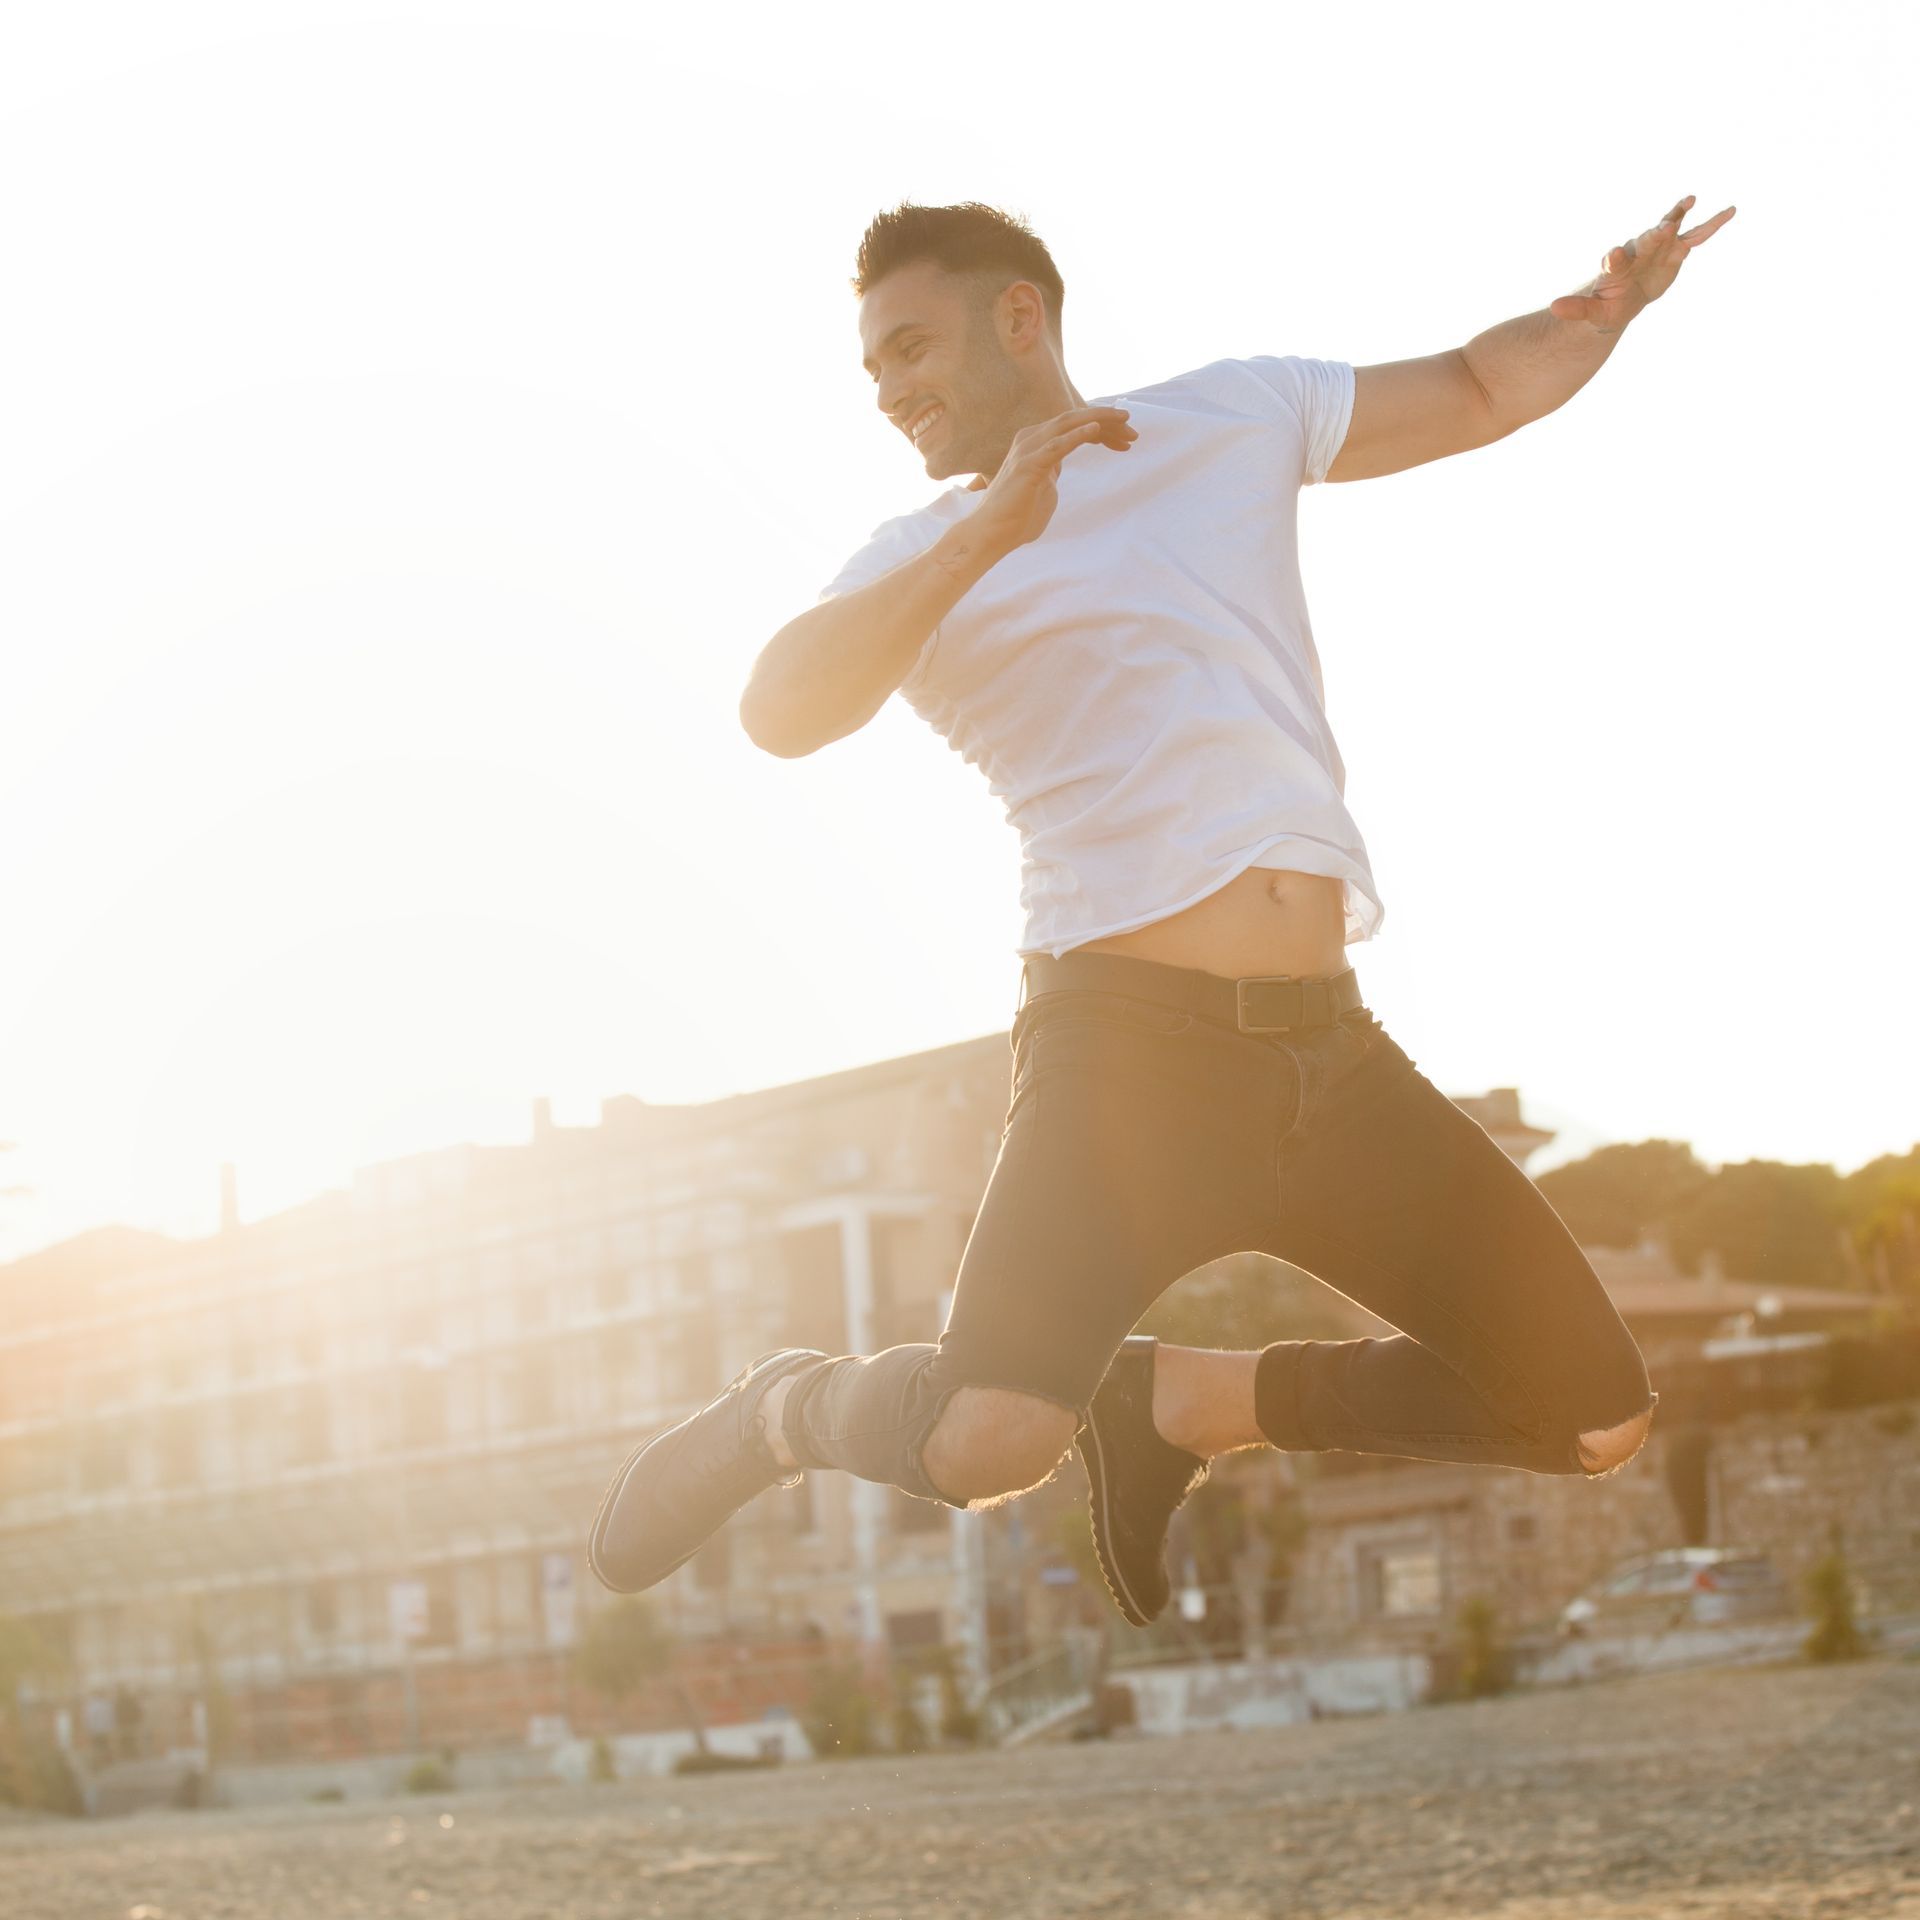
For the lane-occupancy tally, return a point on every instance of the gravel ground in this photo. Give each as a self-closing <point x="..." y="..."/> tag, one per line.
<point x="1755" y="1793"/>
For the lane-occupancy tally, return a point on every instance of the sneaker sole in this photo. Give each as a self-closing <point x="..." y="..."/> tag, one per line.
<point x="1100" y="1484"/>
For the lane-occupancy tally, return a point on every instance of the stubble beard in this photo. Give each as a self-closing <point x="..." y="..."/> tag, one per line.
<point x="984" y="416"/>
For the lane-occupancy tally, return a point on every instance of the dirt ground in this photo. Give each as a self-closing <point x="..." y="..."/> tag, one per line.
<point x="1756" y="1794"/>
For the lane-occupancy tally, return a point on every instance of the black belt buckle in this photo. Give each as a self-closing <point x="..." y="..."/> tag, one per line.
<point x="1285" y="995"/>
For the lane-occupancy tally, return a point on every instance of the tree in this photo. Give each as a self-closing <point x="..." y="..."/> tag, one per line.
<point x="1835" y="1634"/>
<point x="626" y="1646"/>
<point x="1486" y="1661"/>
<point x="1766" y="1220"/>
<point x="840" y="1711"/>
<point x="1772" y="1223"/>
<point x="1882" y="1202"/>
<point x="33" y="1770"/>
<point x="1249" y="1300"/>
<point x="1617" y="1195"/>
<point x="24" y="1655"/>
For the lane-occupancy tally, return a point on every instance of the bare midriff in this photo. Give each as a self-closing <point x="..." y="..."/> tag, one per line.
<point x="1263" y="921"/>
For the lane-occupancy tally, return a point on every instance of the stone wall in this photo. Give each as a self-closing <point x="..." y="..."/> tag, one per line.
<point x="1392" y="1553"/>
<point x="1792" y="1486"/>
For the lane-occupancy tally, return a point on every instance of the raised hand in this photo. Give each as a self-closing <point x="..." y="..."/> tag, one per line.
<point x="1635" y="275"/>
<point x="1023" y="493"/>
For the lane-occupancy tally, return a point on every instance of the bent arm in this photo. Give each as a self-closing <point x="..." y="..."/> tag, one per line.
<point x="828" y="672"/>
<point x="1410" y="411"/>
<point x="1407" y="412"/>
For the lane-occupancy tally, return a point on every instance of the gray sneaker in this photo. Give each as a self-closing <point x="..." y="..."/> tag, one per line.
<point x="677" y="1489"/>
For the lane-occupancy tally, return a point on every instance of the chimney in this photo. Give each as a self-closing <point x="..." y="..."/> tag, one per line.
<point x="229" y="1198"/>
<point x="542" y="1118"/>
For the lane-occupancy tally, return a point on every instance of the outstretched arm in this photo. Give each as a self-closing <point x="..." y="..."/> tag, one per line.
<point x="1407" y="412"/>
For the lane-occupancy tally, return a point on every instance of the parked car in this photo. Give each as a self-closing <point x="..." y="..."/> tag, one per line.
<point x="1696" y="1586"/>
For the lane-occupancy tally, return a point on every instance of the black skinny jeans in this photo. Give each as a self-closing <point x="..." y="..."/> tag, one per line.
<point x="1143" y="1141"/>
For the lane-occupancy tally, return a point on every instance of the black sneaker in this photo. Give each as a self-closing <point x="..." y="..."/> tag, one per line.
<point x="1136" y="1482"/>
<point x="679" y="1487"/>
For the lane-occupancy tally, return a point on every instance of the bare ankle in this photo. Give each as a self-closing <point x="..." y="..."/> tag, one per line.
<point x="1203" y="1399"/>
<point x="1174" y="1404"/>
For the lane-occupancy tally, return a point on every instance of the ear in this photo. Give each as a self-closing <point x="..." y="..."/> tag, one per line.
<point x="1020" y="317"/>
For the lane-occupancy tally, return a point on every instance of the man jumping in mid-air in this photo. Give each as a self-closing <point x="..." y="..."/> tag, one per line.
<point x="1120" y="642"/>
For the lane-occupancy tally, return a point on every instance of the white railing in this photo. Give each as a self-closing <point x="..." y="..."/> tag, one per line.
<point x="1024" y="1700"/>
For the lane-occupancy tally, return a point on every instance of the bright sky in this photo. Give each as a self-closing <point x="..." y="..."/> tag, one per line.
<point x="417" y="417"/>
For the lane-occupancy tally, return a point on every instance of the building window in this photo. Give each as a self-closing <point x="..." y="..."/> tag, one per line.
<point x="911" y="1632"/>
<point x="1399" y="1581"/>
<point x="816" y="1313"/>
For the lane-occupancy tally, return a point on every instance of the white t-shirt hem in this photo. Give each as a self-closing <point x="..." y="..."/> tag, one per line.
<point x="1303" y="856"/>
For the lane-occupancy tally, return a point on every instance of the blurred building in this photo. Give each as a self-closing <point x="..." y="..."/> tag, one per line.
<point x="1394" y="1546"/>
<point x="342" y="1460"/>
<point x="328" y="1473"/>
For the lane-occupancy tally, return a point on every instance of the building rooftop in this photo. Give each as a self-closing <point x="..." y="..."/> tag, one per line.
<point x="1645" y="1285"/>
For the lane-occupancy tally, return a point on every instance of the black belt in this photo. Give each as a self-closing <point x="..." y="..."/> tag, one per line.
<point x="1266" y="1003"/>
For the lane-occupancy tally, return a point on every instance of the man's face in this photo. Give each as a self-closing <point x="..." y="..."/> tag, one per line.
<point x="940" y="374"/>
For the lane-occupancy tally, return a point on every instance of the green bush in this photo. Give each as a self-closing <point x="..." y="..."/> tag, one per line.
<point x="434" y="1774"/>
<point x="600" y="1765"/>
<point x="1485" y="1666"/>
<point x="909" y="1730"/>
<point x="1836" y="1634"/>
<point x="1869" y="1370"/>
<point x="839" y="1713"/>
<point x="34" y="1773"/>
<point x="958" y="1721"/>
<point x="33" y="1769"/>
<point x="706" y="1760"/>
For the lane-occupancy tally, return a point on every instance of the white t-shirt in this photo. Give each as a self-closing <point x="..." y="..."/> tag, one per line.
<point x="1140" y="684"/>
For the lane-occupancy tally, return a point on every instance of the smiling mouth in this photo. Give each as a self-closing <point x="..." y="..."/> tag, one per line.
<point x="923" y="423"/>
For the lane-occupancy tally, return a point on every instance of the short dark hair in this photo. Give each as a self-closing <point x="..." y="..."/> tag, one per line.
<point x="970" y="238"/>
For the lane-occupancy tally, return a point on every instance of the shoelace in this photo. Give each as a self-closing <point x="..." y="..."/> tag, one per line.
<point x="756" y="1428"/>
